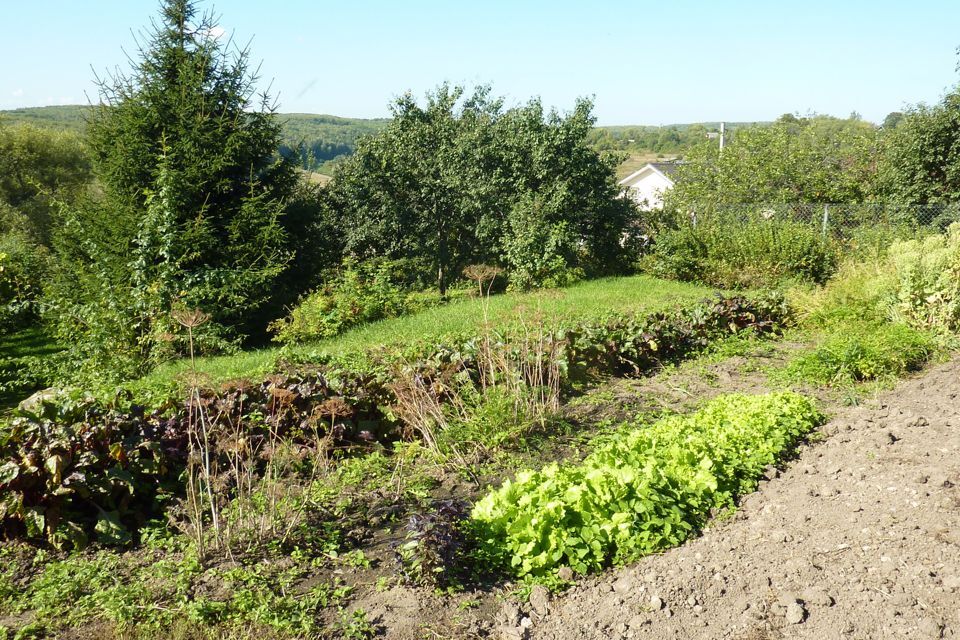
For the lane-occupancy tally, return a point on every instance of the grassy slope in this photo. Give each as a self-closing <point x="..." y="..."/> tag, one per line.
<point x="589" y="300"/>
<point x="30" y="342"/>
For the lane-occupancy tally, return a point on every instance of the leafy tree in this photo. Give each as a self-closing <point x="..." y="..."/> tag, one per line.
<point x="193" y="206"/>
<point x="892" y="120"/>
<point x="560" y="186"/>
<point x="920" y="163"/>
<point x="818" y="159"/>
<point x="456" y="180"/>
<point x="419" y="188"/>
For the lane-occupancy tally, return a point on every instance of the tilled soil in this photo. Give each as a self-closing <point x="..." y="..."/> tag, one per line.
<point x="858" y="538"/>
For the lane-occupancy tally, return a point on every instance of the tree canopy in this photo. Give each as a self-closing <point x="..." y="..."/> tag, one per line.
<point x="816" y="159"/>
<point x="193" y="207"/>
<point x="920" y="164"/>
<point x="460" y="179"/>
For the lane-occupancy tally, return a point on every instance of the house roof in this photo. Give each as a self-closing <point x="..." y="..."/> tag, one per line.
<point x="665" y="169"/>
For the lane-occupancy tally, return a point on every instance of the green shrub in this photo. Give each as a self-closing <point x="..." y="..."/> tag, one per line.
<point x="927" y="288"/>
<point x="645" y="492"/>
<point x="360" y="292"/>
<point x="24" y="265"/>
<point x="732" y="253"/>
<point x="539" y="254"/>
<point x="858" y="353"/>
<point x="858" y="293"/>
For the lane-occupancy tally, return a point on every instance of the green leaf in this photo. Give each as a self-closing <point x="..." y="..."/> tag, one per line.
<point x="110" y="530"/>
<point x="9" y="471"/>
<point x="35" y="520"/>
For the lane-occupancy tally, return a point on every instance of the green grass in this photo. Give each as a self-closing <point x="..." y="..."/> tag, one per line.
<point x="32" y="341"/>
<point x="862" y="352"/>
<point x="586" y="301"/>
<point x="23" y="356"/>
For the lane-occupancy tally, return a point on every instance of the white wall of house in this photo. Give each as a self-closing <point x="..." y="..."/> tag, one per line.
<point x="647" y="187"/>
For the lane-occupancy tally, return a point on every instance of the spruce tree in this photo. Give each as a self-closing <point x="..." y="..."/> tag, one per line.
<point x="192" y="207"/>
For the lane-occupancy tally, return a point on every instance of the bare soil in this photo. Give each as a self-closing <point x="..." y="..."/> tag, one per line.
<point x="858" y="537"/>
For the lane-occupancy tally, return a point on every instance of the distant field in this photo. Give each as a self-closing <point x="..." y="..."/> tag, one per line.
<point x="318" y="178"/>
<point x="590" y="300"/>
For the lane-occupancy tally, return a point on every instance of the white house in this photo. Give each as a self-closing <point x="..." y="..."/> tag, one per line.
<point x="648" y="185"/>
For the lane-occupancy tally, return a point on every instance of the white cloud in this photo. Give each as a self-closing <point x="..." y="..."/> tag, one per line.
<point x="215" y="33"/>
<point x="17" y="93"/>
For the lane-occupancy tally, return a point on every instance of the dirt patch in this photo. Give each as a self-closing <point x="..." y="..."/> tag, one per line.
<point x="858" y="538"/>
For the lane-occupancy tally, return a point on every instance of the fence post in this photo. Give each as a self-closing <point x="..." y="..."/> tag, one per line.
<point x="693" y="218"/>
<point x="826" y="218"/>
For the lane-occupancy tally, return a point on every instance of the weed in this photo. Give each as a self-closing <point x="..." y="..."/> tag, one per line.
<point x="355" y="625"/>
<point x="864" y="352"/>
<point x="356" y="559"/>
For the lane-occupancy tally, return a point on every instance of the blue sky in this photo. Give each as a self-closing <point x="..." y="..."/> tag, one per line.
<point x="643" y="62"/>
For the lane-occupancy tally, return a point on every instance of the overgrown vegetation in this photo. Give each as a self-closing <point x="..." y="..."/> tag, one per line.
<point x="753" y="248"/>
<point x="863" y="352"/>
<point x="358" y="294"/>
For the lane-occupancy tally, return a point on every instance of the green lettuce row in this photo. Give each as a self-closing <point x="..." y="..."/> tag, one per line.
<point x="647" y="491"/>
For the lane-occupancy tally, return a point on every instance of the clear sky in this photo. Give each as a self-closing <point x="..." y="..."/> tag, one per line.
<point x="643" y="62"/>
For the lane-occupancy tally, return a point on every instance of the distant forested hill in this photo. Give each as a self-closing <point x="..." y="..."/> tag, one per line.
<point x="325" y="139"/>
<point x="69" y="116"/>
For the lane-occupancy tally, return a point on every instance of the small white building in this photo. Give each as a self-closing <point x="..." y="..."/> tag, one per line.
<point x="647" y="186"/>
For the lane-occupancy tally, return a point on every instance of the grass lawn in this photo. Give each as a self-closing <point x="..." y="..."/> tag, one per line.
<point x="589" y="300"/>
<point x="27" y="342"/>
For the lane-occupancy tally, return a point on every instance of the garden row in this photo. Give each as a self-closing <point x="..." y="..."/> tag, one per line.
<point x="645" y="491"/>
<point x="72" y="468"/>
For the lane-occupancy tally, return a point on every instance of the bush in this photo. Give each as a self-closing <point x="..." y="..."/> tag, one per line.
<point x="645" y="492"/>
<point x="539" y="254"/>
<point x="927" y="286"/>
<point x="731" y="253"/>
<point x="24" y="266"/>
<point x="360" y="292"/>
<point x="858" y="353"/>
